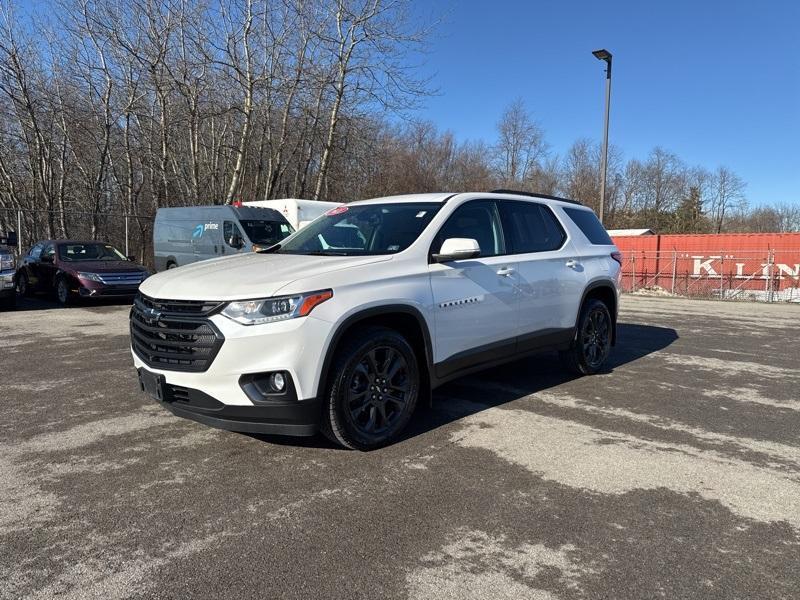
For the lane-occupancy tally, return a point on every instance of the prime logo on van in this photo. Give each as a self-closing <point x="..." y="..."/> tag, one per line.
<point x="198" y="231"/>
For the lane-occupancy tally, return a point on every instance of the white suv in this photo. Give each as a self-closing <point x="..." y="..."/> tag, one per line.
<point x="344" y="325"/>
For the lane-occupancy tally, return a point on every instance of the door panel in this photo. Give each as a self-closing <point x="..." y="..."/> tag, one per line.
<point x="550" y="290"/>
<point x="30" y="265"/>
<point x="47" y="270"/>
<point x="551" y="277"/>
<point x="231" y="229"/>
<point x="475" y="300"/>
<point x="474" y="307"/>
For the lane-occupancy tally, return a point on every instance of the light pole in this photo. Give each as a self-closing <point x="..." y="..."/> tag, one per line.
<point x="606" y="56"/>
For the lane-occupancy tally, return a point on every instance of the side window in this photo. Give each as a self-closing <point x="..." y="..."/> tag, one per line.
<point x="49" y="250"/>
<point x="477" y="220"/>
<point x="531" y="227"/>
<point x="36" y="251"/>
<point x="232" y="234"/>
<point x="590" y="225"/>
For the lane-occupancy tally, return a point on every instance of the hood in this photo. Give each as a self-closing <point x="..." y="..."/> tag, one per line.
<point x="245" y="275"/>
<point x="102" y="266"/>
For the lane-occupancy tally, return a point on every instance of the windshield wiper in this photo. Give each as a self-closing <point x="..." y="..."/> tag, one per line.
<point x="325" y="253"/>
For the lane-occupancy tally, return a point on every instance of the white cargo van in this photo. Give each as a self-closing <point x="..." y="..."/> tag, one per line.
<point x="298" y="212"/>
<point x="188" y="234"/>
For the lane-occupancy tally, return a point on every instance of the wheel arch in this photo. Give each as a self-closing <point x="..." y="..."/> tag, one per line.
<point x="604" y="291"/>
<point x="403" y="318"/>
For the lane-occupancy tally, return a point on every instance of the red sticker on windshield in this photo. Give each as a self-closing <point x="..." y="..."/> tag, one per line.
<point x="336" y="211"/>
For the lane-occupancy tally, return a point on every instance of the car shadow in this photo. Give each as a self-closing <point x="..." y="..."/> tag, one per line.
<point x="512" y="381"/>
<point x="527" y="376"/>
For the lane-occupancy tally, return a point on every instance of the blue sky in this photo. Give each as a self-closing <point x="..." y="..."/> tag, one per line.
<point x="716" y="82"/>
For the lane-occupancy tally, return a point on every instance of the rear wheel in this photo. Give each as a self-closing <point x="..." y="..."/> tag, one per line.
<point x="592" y="343"/>
<point x="373" y="389"/>
<point x="171" y="265"/>
<point x="62" y="291"/>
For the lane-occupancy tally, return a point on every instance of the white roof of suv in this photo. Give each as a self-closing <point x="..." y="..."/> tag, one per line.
<point x="442" y="196"/>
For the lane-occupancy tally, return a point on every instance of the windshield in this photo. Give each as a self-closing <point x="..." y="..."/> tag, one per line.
<point x="89" y="251"/>
<point x="266" y="233"/>
<point x="363" y="230"/>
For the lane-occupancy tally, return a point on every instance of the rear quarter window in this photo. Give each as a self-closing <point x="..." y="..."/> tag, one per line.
<point x="590" y="225"/>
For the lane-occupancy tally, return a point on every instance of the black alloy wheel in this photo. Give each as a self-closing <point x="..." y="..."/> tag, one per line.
<point x="591" y="345"/>
<point x="378" y="391"/>
<point x="596" y="337"/>
<point x="374" y="387"/>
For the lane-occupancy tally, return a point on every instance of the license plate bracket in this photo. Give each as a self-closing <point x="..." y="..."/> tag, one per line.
<point x="153" y="384"/>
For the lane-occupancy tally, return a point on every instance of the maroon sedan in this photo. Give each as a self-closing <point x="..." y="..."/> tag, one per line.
<point x="71" y="269"/>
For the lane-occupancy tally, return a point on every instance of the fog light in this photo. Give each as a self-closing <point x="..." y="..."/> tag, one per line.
<point x="277" y="382"/>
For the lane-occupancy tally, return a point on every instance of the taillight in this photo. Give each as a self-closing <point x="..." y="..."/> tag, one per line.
<point x="617" y="256"/>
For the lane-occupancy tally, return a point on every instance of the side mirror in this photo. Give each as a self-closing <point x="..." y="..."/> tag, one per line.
<point x="235" y="242"/>
<point x="457" y="249"/>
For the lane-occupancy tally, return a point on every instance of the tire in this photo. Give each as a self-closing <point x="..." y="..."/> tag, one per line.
<point x="373" y="389"/>
<point x="592" y="343"/>
<point x="8" y="303"/>
<point x="23" y="285"/>
<point x="62" y="292"/>
<point x="171" y="265"/>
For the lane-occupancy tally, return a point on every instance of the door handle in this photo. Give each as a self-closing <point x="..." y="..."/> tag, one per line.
<point x="572" y="263"/>
<point x="505" y="271"/>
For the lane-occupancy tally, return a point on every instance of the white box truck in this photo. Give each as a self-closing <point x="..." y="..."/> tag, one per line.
<point x="297" y="211"/>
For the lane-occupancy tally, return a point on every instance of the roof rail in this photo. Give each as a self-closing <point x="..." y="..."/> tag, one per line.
<point x="535" y="195"/>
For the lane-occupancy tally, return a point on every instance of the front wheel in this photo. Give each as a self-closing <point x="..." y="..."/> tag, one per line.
<point x="23" y="286"/>
<point x="62" y="292"/>
<point x="374" y="388"/>
<point x="592" y="342"/>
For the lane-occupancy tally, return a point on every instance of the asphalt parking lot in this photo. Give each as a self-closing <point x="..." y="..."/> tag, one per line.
<point x="676" y="474"/>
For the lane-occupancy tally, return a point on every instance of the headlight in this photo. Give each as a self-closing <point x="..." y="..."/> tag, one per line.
<point x="6" y="262"/>
<point x="90" y="277"/>
<point x="268" y="310"/>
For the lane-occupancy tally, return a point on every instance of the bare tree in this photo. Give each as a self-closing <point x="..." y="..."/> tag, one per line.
<point x="520" y="145"/>
<point x="727" y="196"/>
<point x="368" y="41"/>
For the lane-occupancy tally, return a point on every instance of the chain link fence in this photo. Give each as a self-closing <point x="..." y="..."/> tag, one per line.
<point x="131" y="234"/>
<point x="763" y="276"/>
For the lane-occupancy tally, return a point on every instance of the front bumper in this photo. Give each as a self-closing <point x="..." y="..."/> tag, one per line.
<point x="7" y="285"/>
<point x="295" y="418"/>
<point x="216" y="396"/>
<point x="95" y="289"/>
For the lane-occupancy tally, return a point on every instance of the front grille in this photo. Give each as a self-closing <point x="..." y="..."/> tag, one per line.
<point x="175" y="335"/>
<point x="130" y="278"/>
<point x="181" y="307"/>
